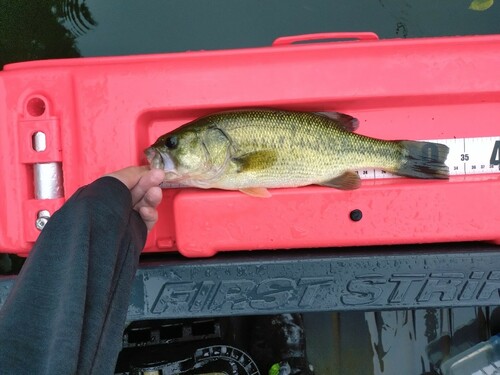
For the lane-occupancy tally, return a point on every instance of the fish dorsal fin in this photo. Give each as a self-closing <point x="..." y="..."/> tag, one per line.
<point x="346" y="122"/>
<point x="258" y="192"/>
<point x="348" y="180"/>
<point x="255" y="161"/>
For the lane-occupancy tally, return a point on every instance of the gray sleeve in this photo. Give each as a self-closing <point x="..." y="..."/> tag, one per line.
<point x="66" y="311"/>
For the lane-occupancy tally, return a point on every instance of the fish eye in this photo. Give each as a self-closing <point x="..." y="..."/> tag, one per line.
<point x="171" y="142"/>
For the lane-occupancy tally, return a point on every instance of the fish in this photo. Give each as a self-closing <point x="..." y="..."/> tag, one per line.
<point x="253" y="150"/>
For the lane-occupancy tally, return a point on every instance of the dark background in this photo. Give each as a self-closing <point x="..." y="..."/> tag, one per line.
<point x="43" y="29"/>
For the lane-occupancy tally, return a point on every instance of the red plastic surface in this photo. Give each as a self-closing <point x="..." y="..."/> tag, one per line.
<point x="100" y="113"/>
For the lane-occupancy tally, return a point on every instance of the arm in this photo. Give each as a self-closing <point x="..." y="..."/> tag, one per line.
<point x="66" y="311"/>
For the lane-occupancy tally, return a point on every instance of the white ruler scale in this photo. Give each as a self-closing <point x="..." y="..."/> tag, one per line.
<point x="467" y="156"/>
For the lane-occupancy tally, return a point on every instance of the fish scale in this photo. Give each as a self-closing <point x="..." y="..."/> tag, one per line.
<point x="265" y="148"/>
<point x="310" y="148"/>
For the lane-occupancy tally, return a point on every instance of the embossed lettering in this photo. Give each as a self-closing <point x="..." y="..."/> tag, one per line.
<point x="202" y="296"/>
<point x="491" y="286"/>
<point x="444" y="288"/>
<point x="363" y="290"/>
<point x="403" y="284"/>
<point x="306" y="293"/>
<point x="468" y="291"/>
<point x="174" y="295"/>
<point x="313" y="286"/>
<point x="273" y="293"/>
<point x="232" y="295"/>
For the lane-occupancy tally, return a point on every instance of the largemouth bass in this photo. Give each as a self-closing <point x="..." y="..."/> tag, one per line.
<point x="253" y="150"/>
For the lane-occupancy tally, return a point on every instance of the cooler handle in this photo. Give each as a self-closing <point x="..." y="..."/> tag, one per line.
<point x="287" y="40"/>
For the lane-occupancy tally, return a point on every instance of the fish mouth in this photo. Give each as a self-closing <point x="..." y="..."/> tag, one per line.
<point x="154" y="158"/>
<point x="158" y="160"/>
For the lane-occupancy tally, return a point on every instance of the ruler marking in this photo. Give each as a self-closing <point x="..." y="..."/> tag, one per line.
<point x="467" y="156"/>
<point x="464" y="158"/>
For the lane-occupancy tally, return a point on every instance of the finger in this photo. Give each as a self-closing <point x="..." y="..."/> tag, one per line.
<point x="130" y="176"/>
<point x="149" y="215"/>
<point x="152" y="178"/>
<point x="152" y="198"/>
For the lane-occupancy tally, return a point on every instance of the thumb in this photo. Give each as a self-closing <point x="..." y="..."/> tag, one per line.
<point x="130" y="176"/>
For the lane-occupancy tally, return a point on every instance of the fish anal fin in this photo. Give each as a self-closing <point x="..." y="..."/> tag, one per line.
<point x="345" y="121"/>
<point x="255" y="161"/>
<point x="257" y="192"/>
<point x="348" y="180"/>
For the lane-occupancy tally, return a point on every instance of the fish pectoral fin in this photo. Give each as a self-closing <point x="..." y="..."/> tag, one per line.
<point x="257" y="192"/>
<point x="348" y="180"/>
<point x="255" y="161"/>
<point x="346" y="122"/>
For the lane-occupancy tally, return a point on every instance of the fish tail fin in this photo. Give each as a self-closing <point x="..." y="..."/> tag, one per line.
<point x="424" y="160"/>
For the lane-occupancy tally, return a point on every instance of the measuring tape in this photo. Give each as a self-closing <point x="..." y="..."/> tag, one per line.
<point x="480" y="155"/>
<point x="467" y="156"/>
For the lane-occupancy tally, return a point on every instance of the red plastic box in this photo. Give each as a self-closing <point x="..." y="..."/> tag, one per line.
<point x="98" y="115"/>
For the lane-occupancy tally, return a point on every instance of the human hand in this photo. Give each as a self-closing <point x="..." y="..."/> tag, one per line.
<point x="146" y="194"/>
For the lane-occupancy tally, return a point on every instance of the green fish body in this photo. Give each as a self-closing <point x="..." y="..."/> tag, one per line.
<point x="252" y="150"/>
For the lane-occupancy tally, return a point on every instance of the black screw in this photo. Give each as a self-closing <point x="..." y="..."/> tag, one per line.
<point x="356" y="215"/>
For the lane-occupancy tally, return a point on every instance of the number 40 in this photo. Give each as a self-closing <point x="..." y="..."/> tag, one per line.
<point x="495" y="154"/>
